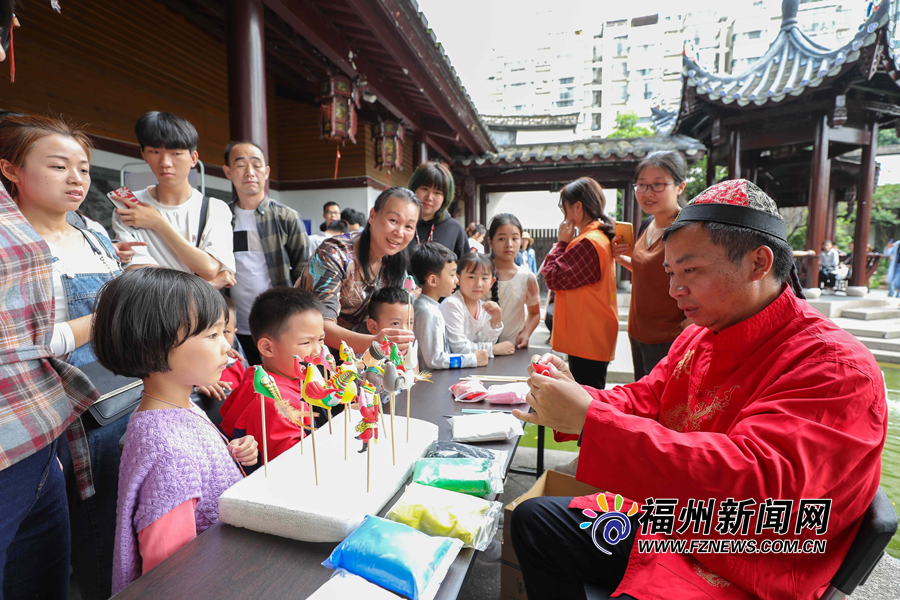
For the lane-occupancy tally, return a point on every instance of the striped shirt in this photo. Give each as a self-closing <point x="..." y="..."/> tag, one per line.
<point x="40" y="396"/>
<point x="283" y="238"/>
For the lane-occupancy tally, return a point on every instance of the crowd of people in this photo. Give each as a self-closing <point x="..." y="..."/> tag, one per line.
<point x="741" y="389"/>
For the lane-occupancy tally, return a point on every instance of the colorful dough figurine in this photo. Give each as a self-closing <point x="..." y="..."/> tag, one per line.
<point x="541" y="368"/>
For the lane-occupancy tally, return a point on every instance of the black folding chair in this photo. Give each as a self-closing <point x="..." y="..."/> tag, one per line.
<point x="878" y="527"/>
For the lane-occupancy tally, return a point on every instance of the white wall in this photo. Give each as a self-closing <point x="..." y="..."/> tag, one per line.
<point x="535" y="210"/>
<point x="890" y="169"/>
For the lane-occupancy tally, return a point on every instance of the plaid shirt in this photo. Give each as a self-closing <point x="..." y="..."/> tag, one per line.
<point x="40" y="396"/>
<point x="568" y="267"/>
<point x="283" y="238"/>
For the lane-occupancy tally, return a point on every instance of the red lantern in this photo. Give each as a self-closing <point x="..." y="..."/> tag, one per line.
<point x="389" y="145"/>
<point x="339" y="99"/>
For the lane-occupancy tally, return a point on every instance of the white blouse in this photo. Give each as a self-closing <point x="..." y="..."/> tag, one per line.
<point x="467" y="333"/>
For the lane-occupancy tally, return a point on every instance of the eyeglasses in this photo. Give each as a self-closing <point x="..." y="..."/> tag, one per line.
<point x="641" y="188"/>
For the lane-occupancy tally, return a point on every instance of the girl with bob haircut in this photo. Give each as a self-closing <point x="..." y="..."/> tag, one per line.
<point x="580" y="270"/>
<point x="433" y="185"/>
<point x="654" y="319"/>
<point x="166" y="327"/>
<point x="347" y="269"/>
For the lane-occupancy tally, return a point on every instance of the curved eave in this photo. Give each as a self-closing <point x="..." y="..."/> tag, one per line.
<point x="584" y="152"/>
<point x="792" y="65"/>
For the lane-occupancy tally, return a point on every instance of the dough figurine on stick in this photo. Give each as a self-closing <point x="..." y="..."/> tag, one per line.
<point x="368" y="427"/>
<point x="264" y="385"/>
<point x="409" y="377"/>
<point x="316" y="393"/>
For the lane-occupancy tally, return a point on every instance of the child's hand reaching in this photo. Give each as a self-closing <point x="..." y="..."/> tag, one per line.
<point x="493" y="309"/>
<point x="217" y="391"/>
<point x="244" y="450"/>
<point x="522" y="340"/>
<point x="502" y="348"/>
<point x="482" y="357"/>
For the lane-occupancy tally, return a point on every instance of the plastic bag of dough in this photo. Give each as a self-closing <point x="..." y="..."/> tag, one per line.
<point x="448" y="514"/>
<point x="344" y="584"/>
<point x="447" y="449"/>
<point x="395" y="556"/>
<point x="468" y="391"/>
<point x="474" y="476"/>
<point x="485" y="427"/>
<point x="508" y="393"/>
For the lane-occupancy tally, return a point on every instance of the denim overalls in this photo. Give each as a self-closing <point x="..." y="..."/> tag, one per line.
<point x="82" y="288"/>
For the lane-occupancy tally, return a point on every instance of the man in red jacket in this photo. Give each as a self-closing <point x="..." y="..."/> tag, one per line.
<point x="764" y="423"/>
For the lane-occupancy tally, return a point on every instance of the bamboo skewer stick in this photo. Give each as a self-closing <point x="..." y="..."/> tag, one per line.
<point x="393" y="447"/>
<point x="330" y="432"/>
<point x="408" y="392"/>
<point x="262" y="408"/>
<point x="346" y="427"/>
<point x="315" y="463"/>
<point x="369" y="464"/>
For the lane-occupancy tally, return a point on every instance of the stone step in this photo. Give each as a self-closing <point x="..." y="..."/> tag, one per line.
<point x="882" y="329"/>
<point x="871" y="314"/>
<point x="873" y="344"/>
<point x="886" y="356"/>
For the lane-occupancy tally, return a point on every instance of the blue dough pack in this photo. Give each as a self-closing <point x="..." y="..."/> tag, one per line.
<point x="392" y="555"/>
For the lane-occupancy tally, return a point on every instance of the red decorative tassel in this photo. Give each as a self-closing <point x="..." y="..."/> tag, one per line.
<point x="337" y="159"/>
<point x="12" y="56"/>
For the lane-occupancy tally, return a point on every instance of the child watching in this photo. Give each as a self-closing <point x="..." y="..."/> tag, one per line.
<point x="170" y="213"/>
<point x="283" y="322"/>
<point x="389" y="308"/>
<point x="234" y="372"/>
<point x="517" y="287"/>
<point x="473" y="324"/>
<point x="434" y="267"/>
<point x="166" y="327"/>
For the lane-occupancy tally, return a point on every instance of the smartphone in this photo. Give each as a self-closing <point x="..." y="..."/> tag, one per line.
<point x="626" y="230"/>
<point x="122" y="192"/>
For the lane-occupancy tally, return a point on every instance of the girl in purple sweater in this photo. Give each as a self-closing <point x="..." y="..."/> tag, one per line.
<point x="166" y="327"/>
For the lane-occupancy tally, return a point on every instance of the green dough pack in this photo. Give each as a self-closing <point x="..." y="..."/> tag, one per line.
<point x="475" y="476"/>
<point x="443" y="513"/>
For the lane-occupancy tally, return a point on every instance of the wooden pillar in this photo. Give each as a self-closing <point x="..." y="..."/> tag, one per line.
<point x="864" y="209"/>
<point x="469" y="191"/>
<point x="710" y="168"/>
<point x="482" y="202"/>
<point x="820" y="176"/>
<point x="246" y="49"/>
<point x="734" y="155"/>
<point x="628" y="208"/>
<point x="831" y="221"/>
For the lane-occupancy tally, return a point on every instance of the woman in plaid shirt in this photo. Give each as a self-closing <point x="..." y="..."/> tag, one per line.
<point x="40" y="397"/>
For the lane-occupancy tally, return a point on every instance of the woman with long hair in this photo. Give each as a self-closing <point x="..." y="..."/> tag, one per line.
<point x="347" y="269"/>
<point x="433" y="185"/>
<point x="654" y="320"/>
<point x="581" y="272"/>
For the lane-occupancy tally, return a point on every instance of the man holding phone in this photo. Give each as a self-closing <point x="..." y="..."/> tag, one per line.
<point x="183" y="230"/>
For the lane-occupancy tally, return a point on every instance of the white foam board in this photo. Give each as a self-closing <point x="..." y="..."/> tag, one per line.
<point x="289" y="503"/>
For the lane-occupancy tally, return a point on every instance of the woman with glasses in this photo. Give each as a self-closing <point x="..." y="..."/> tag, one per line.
<point x="581" y="272"/>
<point x="654" y="320"/>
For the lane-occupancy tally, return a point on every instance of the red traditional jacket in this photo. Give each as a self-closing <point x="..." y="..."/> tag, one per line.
<point x="782" y="406"/>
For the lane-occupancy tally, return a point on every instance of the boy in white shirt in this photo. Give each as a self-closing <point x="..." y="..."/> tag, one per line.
<point x="170" y="213"/>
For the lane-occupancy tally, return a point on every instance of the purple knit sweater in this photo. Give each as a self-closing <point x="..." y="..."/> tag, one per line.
<point x="170" y="457"/>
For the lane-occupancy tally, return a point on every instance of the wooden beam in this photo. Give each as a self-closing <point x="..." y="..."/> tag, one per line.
<point x="818" y="198"/>
<point x="389" y="29"/>
<point x="307" y="20"/>
<point x="440" y="146"/>
<point x="558" y="175"/>
<point x="850" y="135"/>
<point x="864" y="209"/>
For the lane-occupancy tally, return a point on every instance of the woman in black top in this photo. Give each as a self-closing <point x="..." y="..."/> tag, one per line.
<point x="433" y="185"/>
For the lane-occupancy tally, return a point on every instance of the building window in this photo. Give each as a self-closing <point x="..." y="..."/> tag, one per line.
<point x="621" y="46"/>
<point x="753" y="35"/>
<point x="645" y="72"/>
<point x="566" y="80"/>
<point x="623" y="69"/>
<point x="520" y="84"/>
<point x="598" y="53"/>
<point x="598" y="98"/>
<point x="622" y="92"/>
<point x="648" y="92"/>
<point x="519" y="107"/>
<point x="595" y="122"/>
<point x="598" y="75"/>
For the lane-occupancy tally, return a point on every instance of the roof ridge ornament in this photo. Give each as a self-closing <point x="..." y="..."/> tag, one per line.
<point x="789" y="9"/>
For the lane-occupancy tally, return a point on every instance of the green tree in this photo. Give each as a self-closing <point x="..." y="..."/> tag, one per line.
<point x="627" y="127"/>
<point x="888" y="137"/>
<point x="696" y="178"/>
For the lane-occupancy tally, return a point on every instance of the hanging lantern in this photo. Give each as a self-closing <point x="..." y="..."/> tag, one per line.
<point x="339" y="99"/>
<point x="389" y="145"/>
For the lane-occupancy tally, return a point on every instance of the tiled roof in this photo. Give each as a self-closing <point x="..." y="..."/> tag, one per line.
<point x="663" y="120"/>
<point x="568" y="121"/>
<point x="792" y="65"/>
<point x="585" y="151"/>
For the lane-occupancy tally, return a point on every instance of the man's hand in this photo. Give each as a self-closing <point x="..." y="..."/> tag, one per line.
<point x="217" y="391"/>
<point x="559" y="404"/>
<point x="138" y="215"/>
<point x="125" y="252"/>
<point x="558" y="368"/>
<point x="244" y="450"/>
<point x="223" y="279"/>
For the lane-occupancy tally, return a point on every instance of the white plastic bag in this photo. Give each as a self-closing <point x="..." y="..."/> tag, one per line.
<point x="486" y="427"/>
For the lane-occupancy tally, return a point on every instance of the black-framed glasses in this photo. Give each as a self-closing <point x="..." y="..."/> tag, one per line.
<point x="641" y="188"/>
